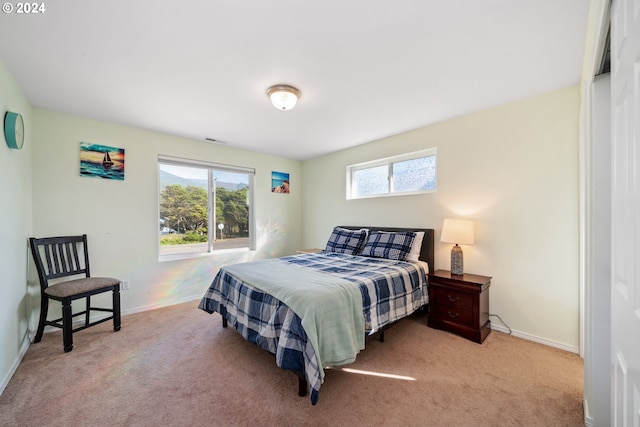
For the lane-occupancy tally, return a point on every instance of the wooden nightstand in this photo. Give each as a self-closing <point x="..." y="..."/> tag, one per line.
<point x="460" y="304"/>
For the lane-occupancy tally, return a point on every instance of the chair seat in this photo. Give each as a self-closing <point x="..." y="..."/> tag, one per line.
<point x="80" y="286"/>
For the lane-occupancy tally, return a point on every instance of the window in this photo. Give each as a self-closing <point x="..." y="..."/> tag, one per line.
<point x="203" y="207"/>
<point x="412" y="173"/>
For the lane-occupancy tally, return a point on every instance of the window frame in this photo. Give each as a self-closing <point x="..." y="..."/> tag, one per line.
<point x="389" y="162"/>
<point x="211" y="167"/>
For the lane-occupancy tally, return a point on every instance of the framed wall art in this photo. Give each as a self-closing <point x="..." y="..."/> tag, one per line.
<point x="101" y="161"/>
<point x="280" y="182"/>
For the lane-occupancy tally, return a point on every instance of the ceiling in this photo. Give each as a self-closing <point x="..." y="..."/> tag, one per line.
<point x="367" y="69"/>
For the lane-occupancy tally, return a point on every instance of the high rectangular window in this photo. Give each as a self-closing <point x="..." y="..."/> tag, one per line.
<point x="203" y="207"/>
<point x="411" y="173"/>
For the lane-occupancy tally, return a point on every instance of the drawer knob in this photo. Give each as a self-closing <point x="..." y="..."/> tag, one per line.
<point x="453" y="315"/>
<point x="452" y="298"/>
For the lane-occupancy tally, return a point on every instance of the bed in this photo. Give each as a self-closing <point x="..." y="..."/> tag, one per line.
<point x="315" y="310"/>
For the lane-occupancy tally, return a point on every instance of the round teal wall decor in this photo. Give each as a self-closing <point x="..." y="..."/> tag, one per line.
<point x="13" y="130"/>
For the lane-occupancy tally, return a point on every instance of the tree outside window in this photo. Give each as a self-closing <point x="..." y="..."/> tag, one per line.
<point x="189" y="220"/>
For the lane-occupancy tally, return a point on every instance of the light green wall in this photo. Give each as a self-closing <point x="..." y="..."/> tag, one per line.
<point x="120" y="218"/>
<point x="15" y="228"/>
<point x="512" y="169"/>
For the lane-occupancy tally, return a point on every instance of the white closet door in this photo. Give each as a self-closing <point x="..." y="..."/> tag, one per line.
<point x="625" y="214"/>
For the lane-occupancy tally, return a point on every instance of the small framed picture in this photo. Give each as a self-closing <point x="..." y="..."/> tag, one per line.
<point x="279" y="182"/>
<point x="101" y="161"/>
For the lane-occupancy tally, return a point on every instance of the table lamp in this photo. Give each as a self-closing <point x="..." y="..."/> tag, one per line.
<point x="458" y="232"/>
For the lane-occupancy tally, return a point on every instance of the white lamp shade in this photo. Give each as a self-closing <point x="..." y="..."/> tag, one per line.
<point x="283" y="97"/>
<point x="458" y="231"/>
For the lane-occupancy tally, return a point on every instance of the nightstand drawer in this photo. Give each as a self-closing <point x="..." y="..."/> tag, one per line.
<point x="454" y="314"/>
<point x="450" y="296"/>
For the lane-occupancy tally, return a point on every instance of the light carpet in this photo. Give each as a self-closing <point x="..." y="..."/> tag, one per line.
<point x="177" y="366"/>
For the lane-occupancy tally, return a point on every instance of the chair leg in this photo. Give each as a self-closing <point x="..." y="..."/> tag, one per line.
<point x="88" y="306"/>
<point x="116" y="307"/>
<point x="67" y="325"/>
<point x="44" y="308"/>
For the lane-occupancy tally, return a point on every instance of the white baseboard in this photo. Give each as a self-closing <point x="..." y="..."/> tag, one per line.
<point x="524" y="335"/>
<point x="26" y="342"/>
<point x="588" y="421"/>
<point x="161" y="305"/>
<point x="100" y="315"/>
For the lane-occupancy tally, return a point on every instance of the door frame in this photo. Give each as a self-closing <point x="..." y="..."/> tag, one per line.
<point x="596" y="394"/>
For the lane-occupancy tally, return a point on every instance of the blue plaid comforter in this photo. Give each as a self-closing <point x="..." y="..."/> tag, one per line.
<point x="390" y="291"/>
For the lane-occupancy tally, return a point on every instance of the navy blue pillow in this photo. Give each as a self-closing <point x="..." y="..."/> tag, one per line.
<point x="396" y="245"/>
<point x="345" y="241"/>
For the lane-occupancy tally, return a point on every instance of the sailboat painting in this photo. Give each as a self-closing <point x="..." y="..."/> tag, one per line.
<point x="101" y="161"/>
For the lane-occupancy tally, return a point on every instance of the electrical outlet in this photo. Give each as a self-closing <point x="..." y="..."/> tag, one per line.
<point x="124" y="285"/>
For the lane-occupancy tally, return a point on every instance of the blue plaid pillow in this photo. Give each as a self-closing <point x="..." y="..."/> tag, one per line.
<point x="345" y="241"/>
<point x="381" y="244"/>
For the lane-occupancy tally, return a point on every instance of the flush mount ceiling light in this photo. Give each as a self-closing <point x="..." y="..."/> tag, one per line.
<point x="283" y="97"/>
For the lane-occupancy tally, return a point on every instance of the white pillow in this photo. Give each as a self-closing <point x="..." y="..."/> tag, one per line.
<point x="414" y="254"/>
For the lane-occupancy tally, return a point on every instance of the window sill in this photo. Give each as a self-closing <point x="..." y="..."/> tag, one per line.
<point x="398" y="193"/>
<point x="192" y="255"/>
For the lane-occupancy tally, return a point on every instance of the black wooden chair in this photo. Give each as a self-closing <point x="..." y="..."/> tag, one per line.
<point x="60" y="257"/>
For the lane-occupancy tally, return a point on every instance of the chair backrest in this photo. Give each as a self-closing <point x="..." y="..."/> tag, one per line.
<point x="60" y="257"/>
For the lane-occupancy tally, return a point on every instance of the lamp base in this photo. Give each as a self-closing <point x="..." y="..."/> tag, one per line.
<point x="456" y="260"/>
